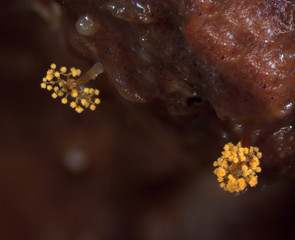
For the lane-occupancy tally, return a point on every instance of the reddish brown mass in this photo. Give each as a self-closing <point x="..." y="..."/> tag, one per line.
<point x="238" y="55"/>
<point x="248" y="56"/>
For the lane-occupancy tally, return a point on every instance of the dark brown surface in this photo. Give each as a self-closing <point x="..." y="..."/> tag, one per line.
<point x="241" y="59"/>
<point x="173" y="61"/>
<point x="125" y="171"/>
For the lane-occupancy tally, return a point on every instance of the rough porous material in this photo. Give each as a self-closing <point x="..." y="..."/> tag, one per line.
<point x="238" y="55"/>
<point x="247" y="56"/>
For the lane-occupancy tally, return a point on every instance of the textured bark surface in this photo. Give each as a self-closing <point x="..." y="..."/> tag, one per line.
<point x="248" y="52"/>
<point x="238" y="55"/>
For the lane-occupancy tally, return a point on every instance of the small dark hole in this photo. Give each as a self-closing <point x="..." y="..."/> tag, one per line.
<point x="264" y="86"/>
<point x="193" y="101"/>
<point x="222" y="57"/>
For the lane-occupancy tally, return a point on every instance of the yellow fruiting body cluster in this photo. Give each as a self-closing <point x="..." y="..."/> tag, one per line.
<point x="237" y="167"/>
<point x="65" y="85"/>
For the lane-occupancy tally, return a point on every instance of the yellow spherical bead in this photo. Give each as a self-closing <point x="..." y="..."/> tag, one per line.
<point x="97" y="101"/>
<point x="63" y="69"/>
<point x="49" y="72"/>
<point x="92" y="107"/>
<point x="73" y="104"/>
<point x="83" y="102"/>
<point x="64" y="101"/>
<point x="86" y="90"/>
<point x="74" y="93"/>
<point x="49" y="77"/>
<point x="53" y="66"/>
<point x="57" y="74"/>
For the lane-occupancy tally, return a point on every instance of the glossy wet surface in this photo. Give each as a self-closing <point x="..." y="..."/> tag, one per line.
<point x="126" y="170"/>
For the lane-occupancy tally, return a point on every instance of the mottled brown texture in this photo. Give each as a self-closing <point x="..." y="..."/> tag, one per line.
<point x="148" y="61"/>
<point x="248" y="56"/>
<point x="238" y="55"/>
<point x="147" y="174"/>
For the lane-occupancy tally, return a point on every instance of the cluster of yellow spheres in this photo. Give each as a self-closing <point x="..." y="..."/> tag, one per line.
<point x="64" y="85"/>
<point x="237" y="167"/>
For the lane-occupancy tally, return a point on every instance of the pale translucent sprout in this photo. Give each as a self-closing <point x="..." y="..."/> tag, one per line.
<point x="86" y="26"/>
<point x="69" y="87"/>
<point x="237" y="168"/>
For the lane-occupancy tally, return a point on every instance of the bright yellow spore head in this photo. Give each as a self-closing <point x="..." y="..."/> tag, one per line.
<point x="237" y="167"/>
<point x="65" y="85"/>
